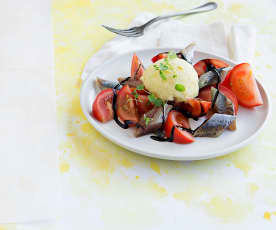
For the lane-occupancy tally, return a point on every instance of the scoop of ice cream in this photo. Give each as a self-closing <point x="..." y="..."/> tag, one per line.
<point x="171" y="79"/>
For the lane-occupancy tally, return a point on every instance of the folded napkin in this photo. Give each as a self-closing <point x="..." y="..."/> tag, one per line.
<point x="28" y="153"/>
<point x="236" y="43"/>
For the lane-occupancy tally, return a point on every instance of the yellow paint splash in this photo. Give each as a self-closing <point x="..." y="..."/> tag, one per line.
<point x="236" y="8"/>
<point x="267" y="215"/>
<point x="189" y="196"/>
<point x="126" y="163"/>
<point x="155" y="167"/>
<point x="242" y="159"/>
<point x="137" y="177"/>
<point x="257" y="54"/>
<point x="8" y="227"/>
<point x="253" y="188"/>
<point x="268" y="66"/>
<point x="64" y="166"/>
<point x="226" y="209"/>
<point x="161" y="191"/>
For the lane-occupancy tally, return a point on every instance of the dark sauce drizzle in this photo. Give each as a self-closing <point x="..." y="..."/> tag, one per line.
<point x="136" y="72"/>
<point x="162" y="138"/>
<point x="122" y="82"/>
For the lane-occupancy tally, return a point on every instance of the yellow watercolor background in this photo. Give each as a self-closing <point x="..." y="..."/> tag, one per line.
<point x="97" y="167"/>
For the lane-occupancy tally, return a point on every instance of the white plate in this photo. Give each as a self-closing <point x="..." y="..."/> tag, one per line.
<point x="249" y="121"/>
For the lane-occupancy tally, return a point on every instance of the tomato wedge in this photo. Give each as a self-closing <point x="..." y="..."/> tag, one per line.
<point x="226" y="81"/>
<point x="126" y="109"/>
<point x="102" y="106"/>
<point x="244" y="86"/>
<point x="205" y="94"/>
<point x="230" y="95"/>
<point x="143" y="104"/>
<point x="137" y="68"/>
<point x="200" y="67"/>
<point x="217" y="63"/>
<point x="180" y="136"/>
<point x="158" y="57"/>
<point x="194" y="107"/>
<point x="140" y="92"/>
<point x="205" y="106"/>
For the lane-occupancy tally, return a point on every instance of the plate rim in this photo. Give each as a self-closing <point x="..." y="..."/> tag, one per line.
<point x="151" y="154"/>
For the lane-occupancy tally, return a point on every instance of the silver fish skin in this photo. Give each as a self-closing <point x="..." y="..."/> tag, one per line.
<point x="211" y="78"/>
<point x="132" y="82"/>
<point x="223" y="104"/>
<point x="101" y="84"/>
<point x="188" y="52"/>
<point x="156" y="116"/>
<point x="214" y="126"/>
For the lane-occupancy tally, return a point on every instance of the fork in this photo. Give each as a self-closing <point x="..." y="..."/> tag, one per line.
<point x="138" y="31"/>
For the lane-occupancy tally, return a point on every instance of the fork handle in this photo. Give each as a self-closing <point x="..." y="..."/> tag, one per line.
<point x="200" y="9"/>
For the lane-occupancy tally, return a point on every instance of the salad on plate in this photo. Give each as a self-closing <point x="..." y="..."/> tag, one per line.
<point x="175" y="101"/>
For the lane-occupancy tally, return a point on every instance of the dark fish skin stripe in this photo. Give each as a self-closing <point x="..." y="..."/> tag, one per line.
<point x="214" y="126"/>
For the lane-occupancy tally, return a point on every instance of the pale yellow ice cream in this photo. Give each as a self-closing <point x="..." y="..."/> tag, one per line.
<point x="179" y="82"/>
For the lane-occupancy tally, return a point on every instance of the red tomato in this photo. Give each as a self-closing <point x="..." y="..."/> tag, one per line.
<point x="126" y="109"/>
<point x="102" y="106"/>
<point x="194" y="107"/>
<point x="200" y="67"/>
<point x="134" y="67"/>
<point x="244" y="86"/>
<point x="180" y="136"/>
<point x="205" y="106"/>
<point x="140" y="92"/>
<point x="158" y="57"/>
<point x="229" y="94"/>
<point x="226" y="81"/>
<point x="205" y="94"/>
<point x="217" y="63"/>
<point x="143" y="104"/>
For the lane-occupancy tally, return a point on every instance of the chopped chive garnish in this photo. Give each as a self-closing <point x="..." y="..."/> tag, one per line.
<point x="154" y="100"/>
<point x="147" y="119"/>
<point x="179" y="87"/>
<point x="162" y="75"/>
<point x="172" y="55"/>
<point x="163" y="67"/>
<point x="140" y="87"/>
<point x="135" y="94"/>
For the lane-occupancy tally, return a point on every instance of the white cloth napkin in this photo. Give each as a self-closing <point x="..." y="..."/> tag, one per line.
<point x="28" y="135"/>
<point x="237" y="44"/>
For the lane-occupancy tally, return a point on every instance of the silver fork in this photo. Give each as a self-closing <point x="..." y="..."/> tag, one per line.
<point x="138" y="31"/>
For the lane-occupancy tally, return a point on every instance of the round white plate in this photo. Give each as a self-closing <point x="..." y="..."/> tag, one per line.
<point x="249" y="121"/>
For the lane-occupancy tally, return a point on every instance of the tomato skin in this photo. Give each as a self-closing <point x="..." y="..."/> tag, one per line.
<point x="194" y="107"/>
<point x="205" y="94"/>
<point x="134" y="67"/>
<point x="230" y="95"/>
<point x="200" y="67"/>
<point x="143" y="104"/>
<point x="226" y="81"/>
<point x="102" y="106"/>
<point x="158" y="57"/>
<point x="205" y="105"/>
<point x="140" y="92"/>
<point x="180" y="136"/>
<point x="244" y="86"/>
<point x="126" y="109"/>
<point x="217" y="63"/>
